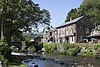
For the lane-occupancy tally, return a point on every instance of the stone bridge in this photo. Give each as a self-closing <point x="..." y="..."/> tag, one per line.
<point x="37" y="45"/>
<point x="19" y="45"/>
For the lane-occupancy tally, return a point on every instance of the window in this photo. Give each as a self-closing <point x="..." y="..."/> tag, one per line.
<point x="46" y="31"/>
<point x="72" y="38"/>
<point x="87" y="30"/>
<point x="50" y="33"/>
<point x="48" y="28"/>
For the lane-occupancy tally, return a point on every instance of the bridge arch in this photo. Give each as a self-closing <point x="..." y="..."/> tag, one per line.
<point x="37" y="45"/>
<point x="17" y="45"/>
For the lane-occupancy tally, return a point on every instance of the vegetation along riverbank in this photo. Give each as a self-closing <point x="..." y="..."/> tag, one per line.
<point x="82" y="49"/>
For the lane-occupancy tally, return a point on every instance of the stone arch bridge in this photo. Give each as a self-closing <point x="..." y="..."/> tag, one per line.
<point x="19" y="45"/>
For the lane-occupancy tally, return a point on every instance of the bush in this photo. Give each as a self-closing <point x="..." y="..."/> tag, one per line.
<point x="72" y="51"/>
<point x="4" y="61"/>
<point x="5" y="50"/>
<point x="49" y="47"/>
<point x="82" y="49"/>
<point x="5" y="53"/>
<point x="87" y="54"/>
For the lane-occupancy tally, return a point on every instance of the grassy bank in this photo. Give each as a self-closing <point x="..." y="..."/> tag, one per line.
<point x="16" y="62"/>
<point x="82" y="49"/>
<point x="19" y="65"/>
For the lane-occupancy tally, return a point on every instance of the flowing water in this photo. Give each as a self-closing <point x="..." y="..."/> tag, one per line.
<point x="56" y="60"/>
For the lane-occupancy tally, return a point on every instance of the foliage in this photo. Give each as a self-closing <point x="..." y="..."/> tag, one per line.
<point x="89" y="50"/>
<point x="26" y="37"/>
<point x="72" y="49"/>
<point x="31" y="48"/>
<point x="5" y="49"/>
<point x="21" y="65"/>
<point x="5" y="53"/>
<point x="82" y="49"/>
<point x="87" y="54"/>
<point x="49" y="47"/>
<point x="14" y="48"/>
<point x="72" y="15"/>
<point x="4" y="61"/>
<point x="20" y="16"/>
<point x="89" y="8"/>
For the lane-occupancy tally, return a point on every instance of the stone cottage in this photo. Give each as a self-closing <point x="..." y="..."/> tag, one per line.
<point x="73" y="31"/>
<point x="94" y="37"/>
<point x="47" y="34"/>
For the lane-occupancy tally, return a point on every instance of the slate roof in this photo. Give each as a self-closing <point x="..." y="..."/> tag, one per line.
<point x="71" y="22"/>
<point x="98" y="26"/>
<point x="93" y="36"/>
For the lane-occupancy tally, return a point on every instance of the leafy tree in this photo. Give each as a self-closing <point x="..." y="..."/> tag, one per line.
<point x="21" y="15"/>
<point x="17" y="16"/>
<point x="26" y="37"/>
<point x="5" y="53"/>
<point x="89" y="8"/>
<point x="72" y="15"/>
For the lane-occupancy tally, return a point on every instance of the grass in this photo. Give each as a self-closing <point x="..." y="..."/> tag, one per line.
<point x="16" y="64"/>
<point x="21" y="65"/>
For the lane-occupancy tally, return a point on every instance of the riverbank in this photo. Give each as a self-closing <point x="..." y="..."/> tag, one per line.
<point x="59" y="60"/>
<point x="20" y="65"/>
<point x="82" y="49"/>
<point x="15" y="61"/>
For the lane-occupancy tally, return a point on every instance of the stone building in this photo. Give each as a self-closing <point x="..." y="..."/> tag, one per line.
<point x="48" y="34"/>
<point x="96" y="30"/>
<point x="94" y="37"/>
<point x="73" y="31"/>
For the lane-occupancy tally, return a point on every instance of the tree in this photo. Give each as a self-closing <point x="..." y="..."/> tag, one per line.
<point x="89" y="8"/>
<point x="72" y="15"/>
<point x="21" y="15"/>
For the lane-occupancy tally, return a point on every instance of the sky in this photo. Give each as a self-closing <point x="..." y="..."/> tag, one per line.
<point x="58" y="9"/>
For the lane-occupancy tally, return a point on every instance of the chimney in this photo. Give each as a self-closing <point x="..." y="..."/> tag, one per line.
<point x="70" y="19"/>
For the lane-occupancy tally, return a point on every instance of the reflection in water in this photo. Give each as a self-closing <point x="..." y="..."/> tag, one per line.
<point x="51" y="60"/>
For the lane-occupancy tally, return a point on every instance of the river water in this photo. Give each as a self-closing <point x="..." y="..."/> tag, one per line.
<point x="57" y="60"/>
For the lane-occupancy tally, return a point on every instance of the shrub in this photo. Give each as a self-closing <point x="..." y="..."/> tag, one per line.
<point x="4" y="61"/>
<point x="82" y="49"/>
<point x="5" y="53"/>
<point x="87" y="54"/>
<point x="49" y="47"/>
<point x="72" y="51"/>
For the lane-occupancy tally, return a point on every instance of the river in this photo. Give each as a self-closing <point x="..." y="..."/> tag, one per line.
<point x="57" y="60"/>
